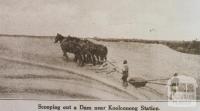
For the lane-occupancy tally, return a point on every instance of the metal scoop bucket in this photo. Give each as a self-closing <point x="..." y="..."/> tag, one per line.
<point x="141" y="82"/>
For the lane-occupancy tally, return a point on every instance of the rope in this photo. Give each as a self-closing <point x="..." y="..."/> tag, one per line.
<point x="157" y="83"/>
<point x="114" y="66"/>
<point x="158" y="79"/>
<point x="111" y="63"/>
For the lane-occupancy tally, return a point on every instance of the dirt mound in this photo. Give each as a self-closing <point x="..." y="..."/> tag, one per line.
<point x="148" y="61"/>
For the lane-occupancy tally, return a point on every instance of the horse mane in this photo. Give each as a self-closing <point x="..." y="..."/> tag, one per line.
<point x="71" y="38"/>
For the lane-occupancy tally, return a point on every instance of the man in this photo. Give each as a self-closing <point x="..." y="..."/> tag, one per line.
<point x="125" y="73"/>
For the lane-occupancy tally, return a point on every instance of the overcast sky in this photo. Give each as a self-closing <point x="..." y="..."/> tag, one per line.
<point x="143" y="19"/>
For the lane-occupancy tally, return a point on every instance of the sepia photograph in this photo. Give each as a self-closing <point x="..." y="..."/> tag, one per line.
<point x="115" y="50"/>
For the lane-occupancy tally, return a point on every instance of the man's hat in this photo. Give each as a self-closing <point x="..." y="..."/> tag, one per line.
<point x="125" y="62"/>
<point x="175" y="74"/>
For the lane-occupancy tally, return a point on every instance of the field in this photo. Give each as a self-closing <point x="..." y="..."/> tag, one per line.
<point x="33" y="68"/>
<point x="190" y="47"/>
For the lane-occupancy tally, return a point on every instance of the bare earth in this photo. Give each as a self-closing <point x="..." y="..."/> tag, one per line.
<point x="33" y="68"/>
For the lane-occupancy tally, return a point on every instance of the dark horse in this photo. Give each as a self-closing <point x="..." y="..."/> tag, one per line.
<point x="59" y="38"/>
<point x="71" y="47"/>
<point x="87" y="51"/>
<point x="84" y="50"/>
<point x="101" y="52"/>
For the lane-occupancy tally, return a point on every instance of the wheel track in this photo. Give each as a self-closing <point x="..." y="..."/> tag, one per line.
<point x="69" y="71"/>
<point x="53" y="77"/>
<point x="58" y="92"/>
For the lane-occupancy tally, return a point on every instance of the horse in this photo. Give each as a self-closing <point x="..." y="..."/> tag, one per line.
<point x="75" y="48"/>
<point x="86" y="46"/>
<point x="87" y="50"/>
<point x="101" y="53"/>
<point x="59" y="38"/>
<point x="84" y="50"/>
<point x="71" y="47"/>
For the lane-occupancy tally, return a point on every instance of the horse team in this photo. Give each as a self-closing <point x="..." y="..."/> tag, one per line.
<point x="85" y="51"/>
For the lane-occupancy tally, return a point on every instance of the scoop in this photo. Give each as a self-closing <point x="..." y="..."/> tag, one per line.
<point x="141" y="82"/>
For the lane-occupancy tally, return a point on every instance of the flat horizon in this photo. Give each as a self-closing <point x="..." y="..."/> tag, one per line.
<point x="133" y="38"/>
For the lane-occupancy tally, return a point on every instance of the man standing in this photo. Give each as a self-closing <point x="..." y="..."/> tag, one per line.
<point x="125" y="73"/>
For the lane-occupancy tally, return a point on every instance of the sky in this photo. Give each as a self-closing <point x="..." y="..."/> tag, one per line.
<point x="142" y="19"/>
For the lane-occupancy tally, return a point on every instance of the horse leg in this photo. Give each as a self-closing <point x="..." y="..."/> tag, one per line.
<point x="75" y="58"/>
<point x="83" y="60"/>
<point x="87" y="58"/>
<point x="93" y="59"/>
<point x="65" y="54"/>
<point x="79" y="58"/>
<point x="90" y="59"/>
<point x="98" y="59"/>
<point x="101" y="59"/>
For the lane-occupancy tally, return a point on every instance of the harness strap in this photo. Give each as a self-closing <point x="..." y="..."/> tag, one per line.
<point x="157" y="83"/>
